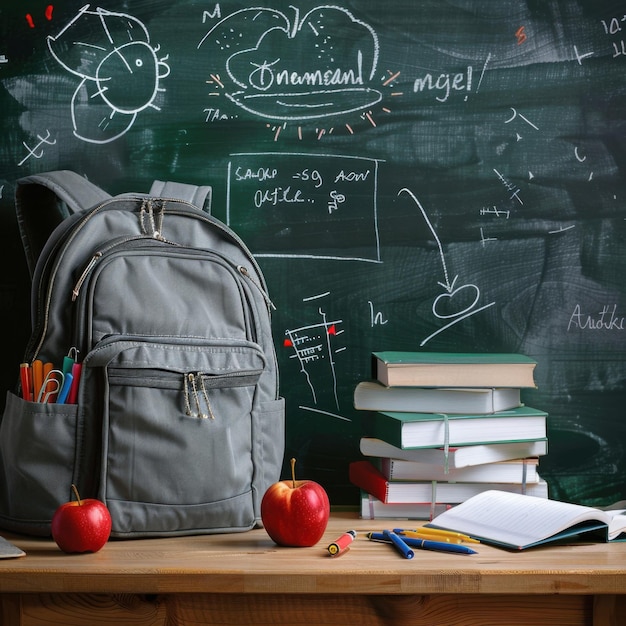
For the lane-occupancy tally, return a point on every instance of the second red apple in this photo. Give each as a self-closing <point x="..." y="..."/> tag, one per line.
<point x="295" y="512"/>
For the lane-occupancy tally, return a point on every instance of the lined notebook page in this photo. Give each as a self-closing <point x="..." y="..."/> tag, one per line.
<point x="514" y="518"/>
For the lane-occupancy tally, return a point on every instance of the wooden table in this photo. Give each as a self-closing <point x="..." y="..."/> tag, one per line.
<point x="244" y="578"/>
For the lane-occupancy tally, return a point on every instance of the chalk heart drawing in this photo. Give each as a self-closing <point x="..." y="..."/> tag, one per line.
<point x="455" y="302"/>
<point x="118" y="68"/>
<point x="314" y="66"/>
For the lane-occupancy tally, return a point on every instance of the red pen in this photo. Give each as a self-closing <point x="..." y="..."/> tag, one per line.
<point x="26" y="381"/>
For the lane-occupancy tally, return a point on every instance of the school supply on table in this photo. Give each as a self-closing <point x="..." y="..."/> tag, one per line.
<point x="401" y="546"/>
<point x="522" y="471"/>
<point x="436" y="534"/>
<point x="418" y="542"/>
<point x="442" y="427"/>
<point x="371" y="395"/>
<point x="440" y="369"/>
<point x="516" y="521"/>
<point x="342" y="543"/>
<point x="365" y="476"/>
<point x="172" y="416"/>
<point x="456" y="457"/>
<point x="424" y="430"/>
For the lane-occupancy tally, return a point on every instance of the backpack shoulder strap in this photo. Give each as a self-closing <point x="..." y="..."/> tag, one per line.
<point x="43" y="201"/>
<point x="199" y="196"/>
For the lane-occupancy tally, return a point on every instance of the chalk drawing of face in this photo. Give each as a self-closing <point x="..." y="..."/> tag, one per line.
<point x="119" y="69"/>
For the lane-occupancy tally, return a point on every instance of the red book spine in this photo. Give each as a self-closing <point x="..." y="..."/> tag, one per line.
<point x="365" y="476"/>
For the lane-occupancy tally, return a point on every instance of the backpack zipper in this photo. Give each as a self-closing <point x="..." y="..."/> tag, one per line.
<point x="98" y="255"/>
<point x="79" y="283"/>
<point x="244" y="272"/>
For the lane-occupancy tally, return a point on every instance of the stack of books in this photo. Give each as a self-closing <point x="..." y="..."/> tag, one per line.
<point x="445" y="427"/>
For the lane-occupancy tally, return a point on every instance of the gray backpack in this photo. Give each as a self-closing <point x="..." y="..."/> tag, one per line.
<point x="162" y="314"/>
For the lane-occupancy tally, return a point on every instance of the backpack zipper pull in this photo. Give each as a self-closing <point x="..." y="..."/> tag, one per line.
<point x="244" y="272"/>
<point x="83" y="276"/>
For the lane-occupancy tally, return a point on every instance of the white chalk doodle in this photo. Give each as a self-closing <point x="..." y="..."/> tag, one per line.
<point x="37" y="151"/>
<point x="297" y="69"/>
<point x="314" y="349"/>
<point x="443" y="305"/>
<point x="118" y="67"/>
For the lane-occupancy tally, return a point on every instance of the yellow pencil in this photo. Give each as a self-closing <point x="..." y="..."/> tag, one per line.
<point x="437" y="533"/>
<point x="430" y="537"/>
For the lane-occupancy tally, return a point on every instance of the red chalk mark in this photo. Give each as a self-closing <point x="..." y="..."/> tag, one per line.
<point x="368" y="115"/>
<point x="521" y="35"/>
<point x="47" y="13"/>
<point x="287" y="343"/>
<point x="332" y="330"/>
<point x="391" y="78"/>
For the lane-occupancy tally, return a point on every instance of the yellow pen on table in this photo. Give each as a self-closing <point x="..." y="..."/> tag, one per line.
<point x="435" y="533"/>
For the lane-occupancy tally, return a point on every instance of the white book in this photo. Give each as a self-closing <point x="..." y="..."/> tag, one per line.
<point x="462" y="456"/>
<point x="518" y="521"/>
<point x="373" y="508"/>
<point x="515" y="471"/>
<point x="372" y="395"/>
<point x="452" y="493"/>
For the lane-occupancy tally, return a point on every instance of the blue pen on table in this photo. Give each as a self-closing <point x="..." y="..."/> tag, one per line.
<point x="425" y="544"/>
<point x="401" y="546"/>
<point x="439" y="546"/>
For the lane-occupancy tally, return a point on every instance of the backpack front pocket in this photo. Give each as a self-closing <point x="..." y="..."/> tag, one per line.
<point x="177" y="435"/>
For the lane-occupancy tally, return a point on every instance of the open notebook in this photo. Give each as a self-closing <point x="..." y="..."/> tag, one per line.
<point x="516" y="521"/>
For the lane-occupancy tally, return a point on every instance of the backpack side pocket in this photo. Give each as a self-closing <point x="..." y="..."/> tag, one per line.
<point x="37" y="449"/>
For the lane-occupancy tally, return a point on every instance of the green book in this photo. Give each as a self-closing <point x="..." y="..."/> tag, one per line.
<point x="434" y="430"/>
<point x="454" y="369"/>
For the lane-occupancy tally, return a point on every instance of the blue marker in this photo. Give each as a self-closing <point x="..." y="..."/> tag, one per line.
<point x="65" y="390"/>
<point x="399" y="544"/>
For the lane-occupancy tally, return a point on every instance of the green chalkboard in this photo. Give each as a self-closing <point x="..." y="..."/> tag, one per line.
<point x="411" y="175"/>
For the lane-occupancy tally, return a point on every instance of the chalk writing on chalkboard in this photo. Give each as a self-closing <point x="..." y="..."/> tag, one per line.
<point x="327" y="63"/>
<point x="104" y="50"/>
<point x="305" y="205"/>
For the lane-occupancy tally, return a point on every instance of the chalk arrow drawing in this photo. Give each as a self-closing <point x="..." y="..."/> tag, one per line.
<point x="444" y="304"/>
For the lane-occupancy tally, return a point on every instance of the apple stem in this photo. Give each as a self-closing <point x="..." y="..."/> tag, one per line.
<point x="75" y="490"/>
<point x="293" y="472"/>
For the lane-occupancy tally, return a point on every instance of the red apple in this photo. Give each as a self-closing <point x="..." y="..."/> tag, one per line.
<point x="295" y="512"/>
<point x="81" y="525"/>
